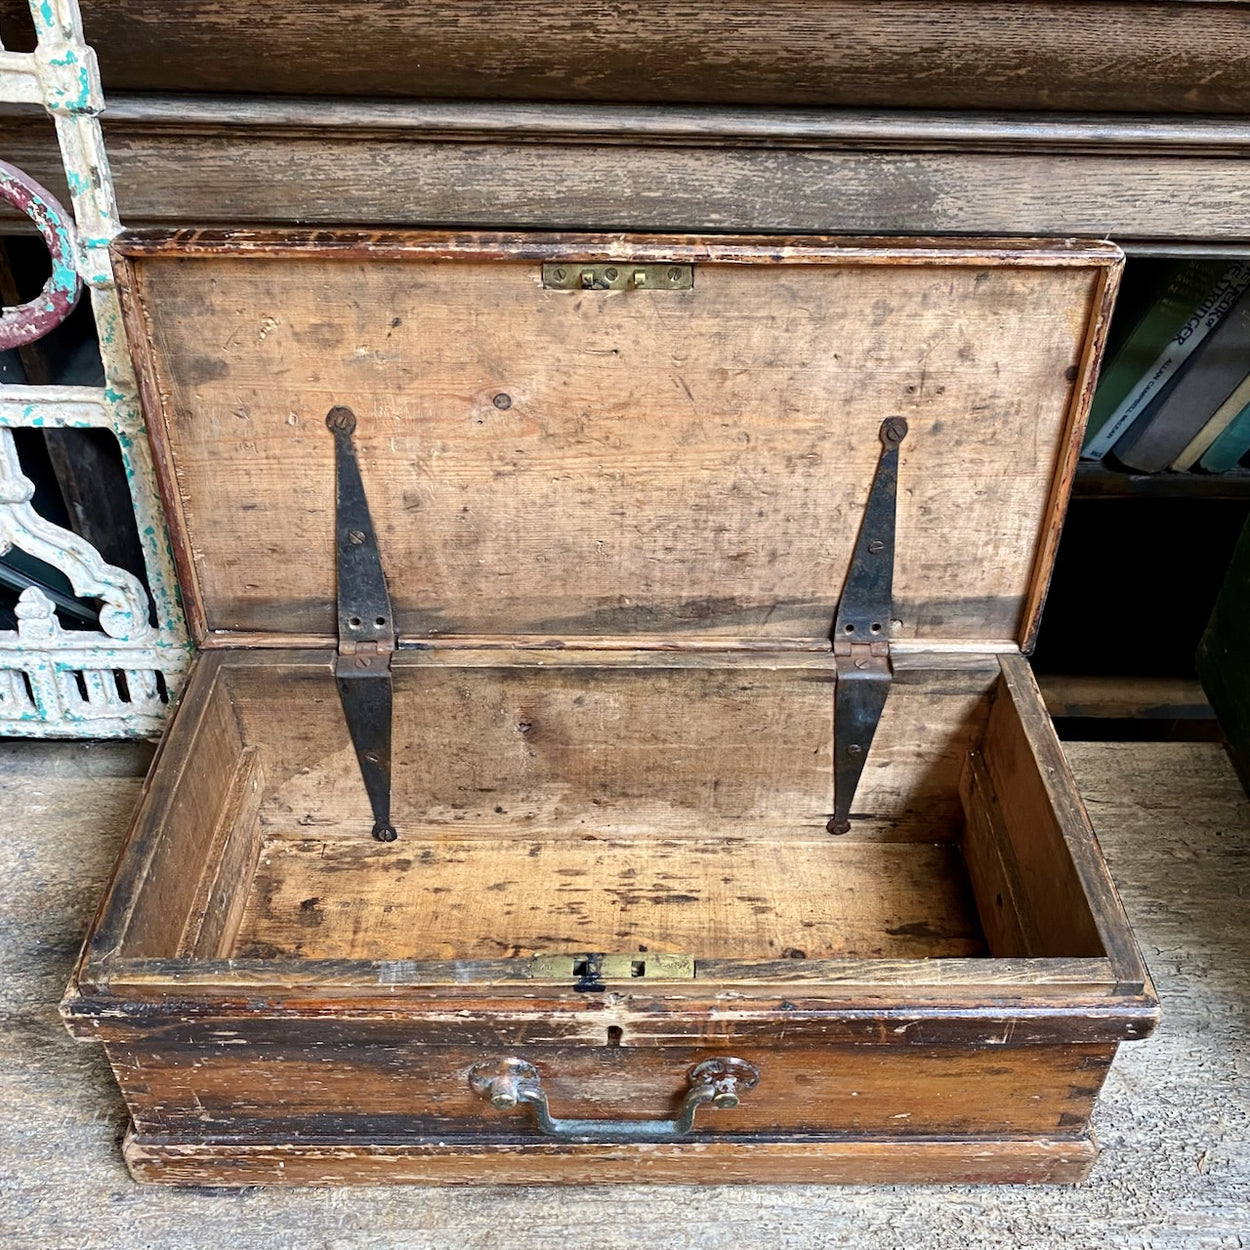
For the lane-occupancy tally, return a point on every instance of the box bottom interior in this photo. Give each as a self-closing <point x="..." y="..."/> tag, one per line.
<point x="717" y="898"/>
<point x="572" y="806"/>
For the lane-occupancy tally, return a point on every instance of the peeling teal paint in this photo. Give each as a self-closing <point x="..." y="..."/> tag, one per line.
<point x="71" y="87"/>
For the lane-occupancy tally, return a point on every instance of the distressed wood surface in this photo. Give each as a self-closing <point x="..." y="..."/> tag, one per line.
<point x="754" y="978"/>
<point x="1062" y="867"/>
<point x="732" y="898"/>
<point x="690" y="463"/>
<point x="1134" y="57"/>
<point x="645" y="742"/>
<point x="1136" y="698"/>
<point x="415" y="1094"/>
<point x="191" y="160"/>
<point x="1003" y="904"/>
<point x="1172" y="1173"/>
<point x="196" y="780"/>
<point x="1010" y="1162"/>
<point x="213" y="919"/>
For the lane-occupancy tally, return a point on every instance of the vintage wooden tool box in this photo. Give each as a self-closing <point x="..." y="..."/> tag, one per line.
<point x="610" y="753"/>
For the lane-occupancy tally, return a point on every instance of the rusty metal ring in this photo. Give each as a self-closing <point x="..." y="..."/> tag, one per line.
<point x="32" y="320"/>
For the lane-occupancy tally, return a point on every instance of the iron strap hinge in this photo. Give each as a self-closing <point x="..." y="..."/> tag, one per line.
<point x="366" y="626"/>
<point x="861" y="631"/>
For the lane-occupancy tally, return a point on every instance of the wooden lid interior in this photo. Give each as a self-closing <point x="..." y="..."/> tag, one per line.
<point x="669" y="467"/>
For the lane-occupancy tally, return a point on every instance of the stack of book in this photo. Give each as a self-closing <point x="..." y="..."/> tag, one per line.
<point x="1175" y="392"/>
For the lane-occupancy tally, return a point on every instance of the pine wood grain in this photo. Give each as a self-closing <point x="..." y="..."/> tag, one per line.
<point x="213" y="918"/>
<point x="412" y="1092"/>
<point x="887" y="1161"/>
<point x="1062" y="869"/>
<point x="641" y="745"/>
<point x="731" y="898"/>
<point x="1002" y="902"/>
<point x="685" y="463"/>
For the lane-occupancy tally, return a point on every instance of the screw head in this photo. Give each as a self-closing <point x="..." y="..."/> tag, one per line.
<point x="560" y="275"/>
<point x="611" y="274"/>
<point x="893" y="429"/>
<point x="384" y="833"/>
<point x="502" y="401"/>
<point x="340" y="419"/>
<point x="674" y="274"/>
<point x="355" y="537"/>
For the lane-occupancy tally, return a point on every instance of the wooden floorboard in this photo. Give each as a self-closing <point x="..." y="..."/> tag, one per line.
<point x="1173" y="1121"/>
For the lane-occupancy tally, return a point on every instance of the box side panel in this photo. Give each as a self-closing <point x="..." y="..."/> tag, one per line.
<point x="629" y="745"/>
<point x="1062" y="871"/>
<point x="158" y="880"/>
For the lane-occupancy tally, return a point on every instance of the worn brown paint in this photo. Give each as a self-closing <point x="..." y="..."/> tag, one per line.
<point x="1114" y="56"/>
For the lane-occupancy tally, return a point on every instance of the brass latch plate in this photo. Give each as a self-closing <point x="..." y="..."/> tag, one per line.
<point x="639" y="965"/>
<point x="617" y="276"/>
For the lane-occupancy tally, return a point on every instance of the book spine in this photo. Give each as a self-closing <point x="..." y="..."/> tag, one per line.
<point x="1232" y="444"/>
<point x="1205" y="318"/>
<point x="1220" y="420"/>
<point x="1206" y="381"/>
<point x="1169" y="306"/>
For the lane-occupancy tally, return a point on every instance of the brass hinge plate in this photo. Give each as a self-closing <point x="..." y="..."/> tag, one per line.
<point x="617" y="276"/>
<point x="636" y="966"/>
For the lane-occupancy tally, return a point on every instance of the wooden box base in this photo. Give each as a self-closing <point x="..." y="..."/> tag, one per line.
<point x="885" y="1161"/>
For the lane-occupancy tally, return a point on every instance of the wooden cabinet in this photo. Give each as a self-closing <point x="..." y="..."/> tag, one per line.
<point x="1131" y="57"/>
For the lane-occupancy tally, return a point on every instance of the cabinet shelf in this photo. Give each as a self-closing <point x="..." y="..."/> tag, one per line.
<point x="1095" y="480"/>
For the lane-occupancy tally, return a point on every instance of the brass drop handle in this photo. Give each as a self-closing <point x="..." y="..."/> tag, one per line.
<point x="513" y="1081"/>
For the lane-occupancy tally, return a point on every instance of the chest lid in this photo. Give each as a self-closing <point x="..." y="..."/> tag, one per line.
<point x="665" y="441"/>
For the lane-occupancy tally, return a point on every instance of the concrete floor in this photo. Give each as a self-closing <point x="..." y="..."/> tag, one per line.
<point x="1174" y="1121"/>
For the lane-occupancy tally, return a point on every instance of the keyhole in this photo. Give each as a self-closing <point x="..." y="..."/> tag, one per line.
<point x="614" y="1035"/>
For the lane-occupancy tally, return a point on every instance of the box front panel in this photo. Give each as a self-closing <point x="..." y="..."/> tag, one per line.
<point x="331" y="1079"/>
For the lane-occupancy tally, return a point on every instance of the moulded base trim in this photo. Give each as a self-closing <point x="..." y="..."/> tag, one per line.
<point x="808" y="1160"/>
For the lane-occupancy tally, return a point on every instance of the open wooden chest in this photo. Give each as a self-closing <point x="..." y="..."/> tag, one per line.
<point x="624" y="492"/>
